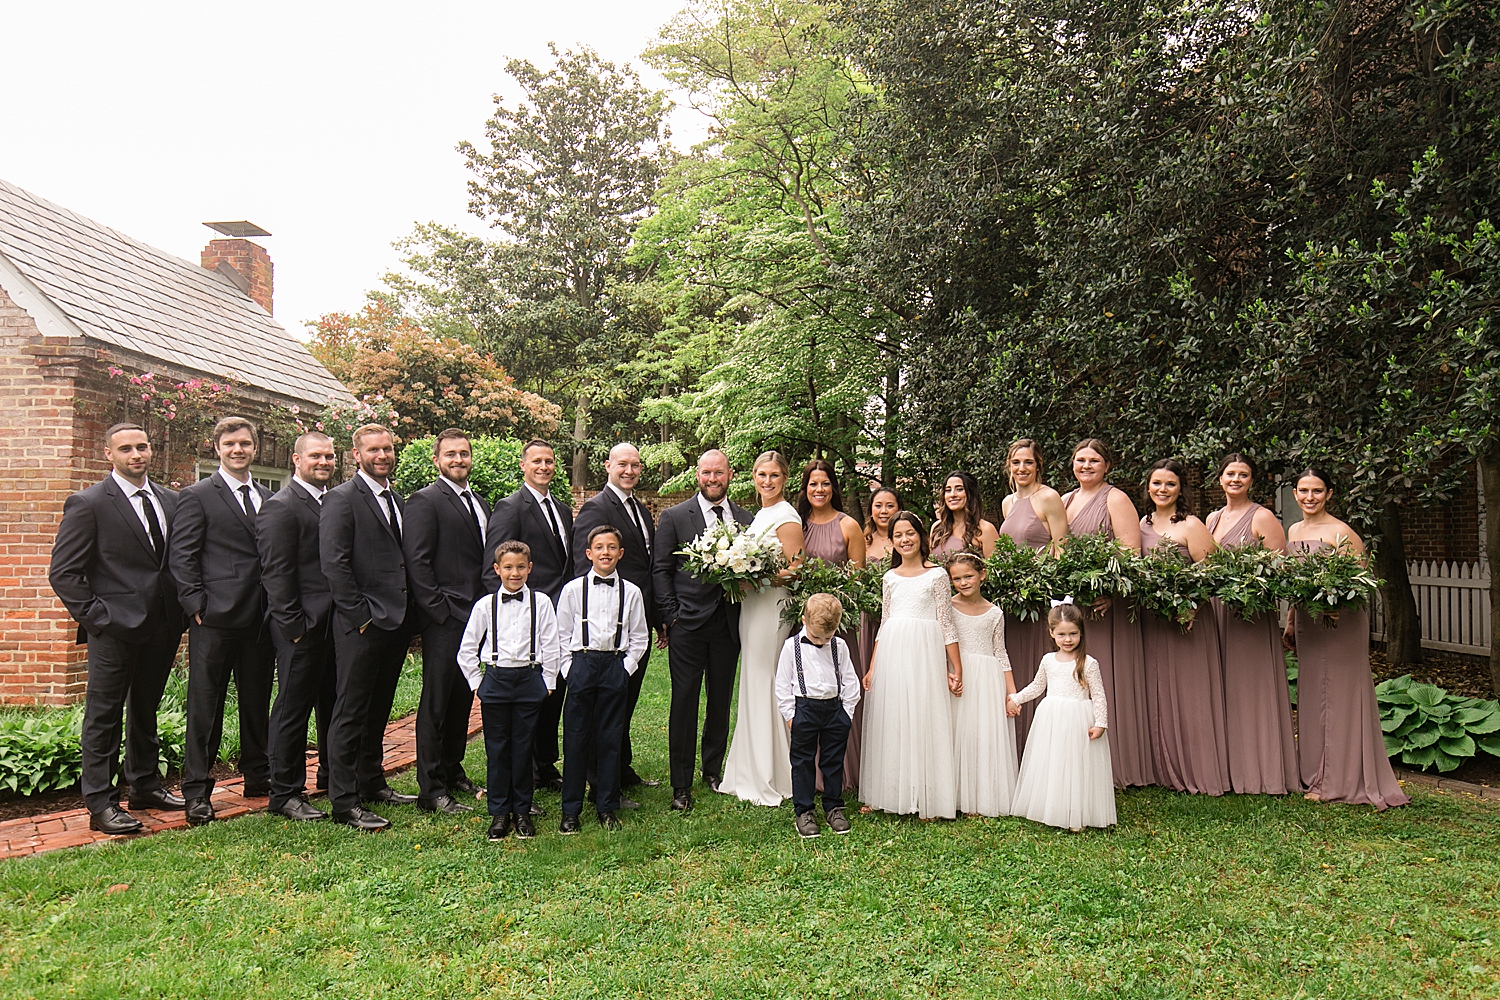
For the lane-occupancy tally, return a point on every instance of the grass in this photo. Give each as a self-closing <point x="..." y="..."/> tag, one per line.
<point x="1187" y="897"/>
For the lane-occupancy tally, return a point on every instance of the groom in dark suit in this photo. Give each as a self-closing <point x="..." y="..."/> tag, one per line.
<point x="703" y="630"/>
<point x="109" y="568"/>
<point x="616" y="505"/>
<point x="533" y="515"/>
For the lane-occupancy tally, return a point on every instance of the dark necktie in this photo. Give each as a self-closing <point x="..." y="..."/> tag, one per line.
<point x="469" y="503"/>
<point x="390" y="507"/>
<point x="506" y="596"/>
<point x="719" y="511"/>
<point x="153" y="526"/>
<point x="552" y="520"/>
<point x="249" y="504"/>
<point x="640" y="522"/>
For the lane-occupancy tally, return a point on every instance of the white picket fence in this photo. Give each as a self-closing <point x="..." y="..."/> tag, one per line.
<point x="1453" y="601"/>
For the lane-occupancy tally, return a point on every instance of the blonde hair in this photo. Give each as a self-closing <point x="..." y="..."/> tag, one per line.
<point x="774" y="457"/>
<point x="823" y="611"/>
<point x="1036" y="454"/>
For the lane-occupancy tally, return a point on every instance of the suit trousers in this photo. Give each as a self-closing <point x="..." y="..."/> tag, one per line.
<point x="544" y="741"/>
<point x="509" y="698"/>
<point x="820" y="735"/>
<point x="306" y="685"/>
<point x="443" y="712"/>
<point x="698" y="658"/>
<point x="214" y="655"/>
<point x="594" y="719"/>
<point x="632" y="696"/>
<point x="121" y="673"/>
<point x="368" y="666"/>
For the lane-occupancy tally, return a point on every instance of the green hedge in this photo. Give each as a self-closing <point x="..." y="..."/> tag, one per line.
<point x="496" y="473"/>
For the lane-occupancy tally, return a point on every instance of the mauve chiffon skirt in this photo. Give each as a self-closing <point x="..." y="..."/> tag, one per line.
<point x="1115" y="641"/>
<point x="1257" y="705"/>
<point x="1185" y="682"/>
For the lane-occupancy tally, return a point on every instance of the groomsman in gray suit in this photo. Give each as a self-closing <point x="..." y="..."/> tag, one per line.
<point x="215" y="560"/>
<point x="109" y="568"/>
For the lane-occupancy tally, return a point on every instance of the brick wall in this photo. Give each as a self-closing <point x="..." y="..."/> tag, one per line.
<point x="1448" y="532"/>
<point x="250" y="260"/>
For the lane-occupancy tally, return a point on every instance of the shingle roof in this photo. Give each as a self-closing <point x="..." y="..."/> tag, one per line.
<point x="140" y="299"/>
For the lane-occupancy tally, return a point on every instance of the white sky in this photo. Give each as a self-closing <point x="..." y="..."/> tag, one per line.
<point x="332" y="125"/>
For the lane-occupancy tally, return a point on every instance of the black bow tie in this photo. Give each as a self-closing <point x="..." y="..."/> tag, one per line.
<point x="814" y="645"/>
<point x="605" y="581"/>
<point x="506" y="597"/>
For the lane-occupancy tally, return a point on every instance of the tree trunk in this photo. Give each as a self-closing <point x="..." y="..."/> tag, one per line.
<point x="1403" y="629"/>
<point x="890" y="431"/>
<point x="1489" y="476"/>
<point x="580" y="470"/>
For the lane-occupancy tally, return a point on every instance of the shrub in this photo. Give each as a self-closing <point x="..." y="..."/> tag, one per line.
<point x="1429" y="727"/>
<point x="496" y="473"/>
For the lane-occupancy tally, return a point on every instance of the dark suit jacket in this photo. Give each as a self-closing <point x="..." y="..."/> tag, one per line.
<point x="444" y="552"/>
<point x="104" y="569"/>
<point x="520" y="517"/>
<point x="606" y="507"/>
<point x="366" y="569"/>
<point x="681" y="596"/>
<point x="214" y="558"/>
<point x="291" y="568"/>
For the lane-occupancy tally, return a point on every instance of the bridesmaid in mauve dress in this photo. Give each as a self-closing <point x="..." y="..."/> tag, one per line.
<point x="1184" y="670"/>
<point x="1034" y="518"/>
<point x="1339" y="739"/>
<point x="834" y="537"/>
<point x="1258" y="707"/>
<point x="1114" y="640"/>
<point x="960" y="522"/>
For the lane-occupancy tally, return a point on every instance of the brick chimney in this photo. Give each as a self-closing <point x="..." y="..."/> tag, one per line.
<point x="242" y="262"/>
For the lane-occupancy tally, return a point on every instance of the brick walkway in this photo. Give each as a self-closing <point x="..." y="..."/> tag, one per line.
<point x="70" y="828"/>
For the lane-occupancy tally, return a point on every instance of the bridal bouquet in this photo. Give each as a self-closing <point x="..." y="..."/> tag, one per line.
<point x="1327" y="581"/>
<point x="730" y="556"/>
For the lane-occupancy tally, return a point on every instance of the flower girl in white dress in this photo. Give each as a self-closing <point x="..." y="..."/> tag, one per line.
<point x="984" y="734"/>
<point x="1066" y="778"/>
<point x="913" y="677"/>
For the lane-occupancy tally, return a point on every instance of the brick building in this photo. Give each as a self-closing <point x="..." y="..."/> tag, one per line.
<point x="82" y="307"/>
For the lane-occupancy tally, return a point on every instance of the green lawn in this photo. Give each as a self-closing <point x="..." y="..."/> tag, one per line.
<point x="1187" y="897"/>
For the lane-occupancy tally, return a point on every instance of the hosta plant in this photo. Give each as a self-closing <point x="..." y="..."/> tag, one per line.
<point x="1428" y="727"/>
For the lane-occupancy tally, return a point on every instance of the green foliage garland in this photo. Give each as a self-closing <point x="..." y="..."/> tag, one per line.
<point x="1247" y="578"/>
<point x="1170" y="584"/>
<point x="858" y="590"/>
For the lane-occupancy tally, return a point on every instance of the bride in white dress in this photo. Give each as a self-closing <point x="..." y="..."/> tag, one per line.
<point x="759" y="766"/>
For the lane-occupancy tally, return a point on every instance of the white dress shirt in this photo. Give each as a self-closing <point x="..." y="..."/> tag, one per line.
<point x="137" y="504"/>
<point x="709" y="517"/>
<point x="604" y="606"/>
<point x="473" y="501"/>
<point x="316" y="492"/>
<point x="633" y="511"/>
<point x="385" y="508"/>
<point x="552" y="521"/>
<point x="817" y="673"/>
<point x="512" y="636"/>
<point x="236" y="486"/>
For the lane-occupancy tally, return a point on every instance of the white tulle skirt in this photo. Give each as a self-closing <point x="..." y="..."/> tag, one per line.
<point x="759" y="766"/>
<point x="984" y="740"/>
<point x="907" y="756"/>
<point x="1066" y="778"/>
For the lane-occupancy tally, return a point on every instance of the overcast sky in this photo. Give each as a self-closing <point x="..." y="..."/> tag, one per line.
<point x="332" y="125"/>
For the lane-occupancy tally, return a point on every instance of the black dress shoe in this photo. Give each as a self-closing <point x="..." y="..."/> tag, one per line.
<point x="256" y="791"/>
<point x="389" y="796"/>
<point x="629" y="803"/>
<point x="525" y="828"/>
<point x="630" y="780"/>
<point x="115" y="821"/>
<point x="300" y="810"/>
<point x="159" y="799"/>
<point x="361" y="819"/>
<point x="570" y="825"/>
<point x="610" y="821"/>
<point x="682" y="800"/>
<point x="443" y="804"/>
<point x="199" y="812"/>
<point x="499" y="828"/>
<point x="712" y="781"/>
<point x="463" y="786"/>
<point x="537" y="810"/>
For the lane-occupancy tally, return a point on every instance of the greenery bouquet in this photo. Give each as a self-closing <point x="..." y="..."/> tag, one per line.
<point x="1247" y="578"/>
<point x="1170" y="584"/>
<point x="1019" y="579"/>
<point x="856" y="589"/>
<point x="1090" y="567"/>
<point x="730" y="556"/>
<point x="1325" y="581"/>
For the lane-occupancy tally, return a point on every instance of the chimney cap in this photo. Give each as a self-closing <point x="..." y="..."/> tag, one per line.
<point x="237" y="229"/>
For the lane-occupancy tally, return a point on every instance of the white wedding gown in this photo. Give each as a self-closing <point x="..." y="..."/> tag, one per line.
<point x="759" y="767"/>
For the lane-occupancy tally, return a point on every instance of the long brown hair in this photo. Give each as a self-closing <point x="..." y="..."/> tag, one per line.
<point x="836" y="501"/>
<point x="1071" y="613"/>
<point x="942" y="528"/>
<point x="1184" y="505"/>
<point x="923" y="550"/>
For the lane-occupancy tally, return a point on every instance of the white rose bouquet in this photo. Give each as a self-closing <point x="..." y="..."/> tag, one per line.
<point x="730" y="556"/>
